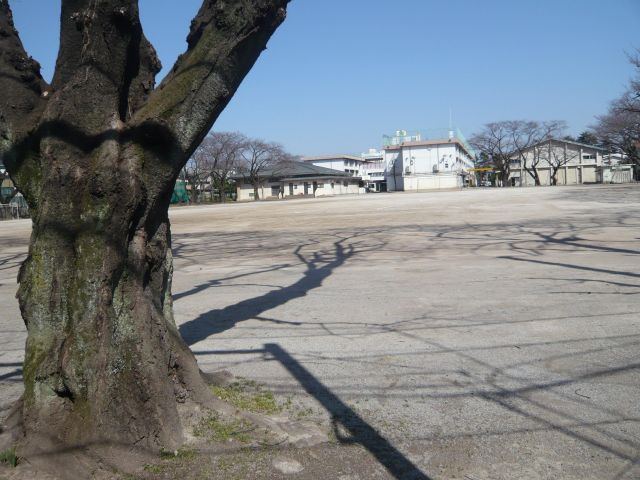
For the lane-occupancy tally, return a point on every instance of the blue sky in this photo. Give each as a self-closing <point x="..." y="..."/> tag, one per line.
<point x="338" y="74"/>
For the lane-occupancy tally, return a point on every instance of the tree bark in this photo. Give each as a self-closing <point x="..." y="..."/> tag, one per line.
<point x="533" y="173"/>
<point x="223" y="191"/>
<point x="222" y="183"/>
<point x="96" y="155"/>
<point x="536" y="177"/>
<point x="104" y="359"/>
<point x="504" y="176"/>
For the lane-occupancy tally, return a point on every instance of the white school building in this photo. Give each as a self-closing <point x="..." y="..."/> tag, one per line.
<point x="414" y="163"/>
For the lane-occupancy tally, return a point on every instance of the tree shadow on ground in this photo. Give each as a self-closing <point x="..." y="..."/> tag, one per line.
<point x="560" y="402"/>
<point x="526" y="241"/>
<point x="319" y="266"/>
<point x="573" y="266"/>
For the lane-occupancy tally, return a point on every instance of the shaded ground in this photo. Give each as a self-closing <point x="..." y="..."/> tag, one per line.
<point x="479" y="334"/>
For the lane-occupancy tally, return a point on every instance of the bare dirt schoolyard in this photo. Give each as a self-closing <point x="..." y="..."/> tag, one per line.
<point x="477" y="334"/>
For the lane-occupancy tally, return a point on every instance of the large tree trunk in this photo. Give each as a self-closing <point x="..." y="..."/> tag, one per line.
<point x="96" y="155"/>
<point x="103" y="356"/>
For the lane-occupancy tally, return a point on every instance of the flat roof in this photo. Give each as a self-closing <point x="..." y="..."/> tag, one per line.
<point x="331" y="157"/>
<point x="424" y="143"/>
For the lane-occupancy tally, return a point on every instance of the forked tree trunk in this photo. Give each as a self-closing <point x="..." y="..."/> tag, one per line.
<point x="104" y="358"/>
<point x="533" y="173"/>
<point x="96" y="155"/>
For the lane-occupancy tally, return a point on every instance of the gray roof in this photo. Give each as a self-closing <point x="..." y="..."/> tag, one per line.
<point x="298" y="170"/>
<point x="571" y="142"/>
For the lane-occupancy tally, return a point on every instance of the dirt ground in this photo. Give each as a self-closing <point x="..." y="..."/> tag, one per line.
<point x="473" y="335"/>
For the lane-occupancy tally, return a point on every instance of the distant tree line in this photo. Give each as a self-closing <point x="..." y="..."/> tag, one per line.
<point x="619" y="128"/>
<point x="223" y="155"/>
<point x="500" y="143"/>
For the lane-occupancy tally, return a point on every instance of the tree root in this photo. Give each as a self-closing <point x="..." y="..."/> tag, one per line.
<point x="46" y="458"/>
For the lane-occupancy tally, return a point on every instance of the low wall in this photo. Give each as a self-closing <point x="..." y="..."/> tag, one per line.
<point x="438" y="181"/>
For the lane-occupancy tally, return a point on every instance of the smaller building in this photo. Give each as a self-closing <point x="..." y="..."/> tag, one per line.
<point x="343" y="163"/>
<point x="298" y="179"/>
<point x="572" y="163"/>
<point x="614" y="174"/>
<point x="368" y="166"/>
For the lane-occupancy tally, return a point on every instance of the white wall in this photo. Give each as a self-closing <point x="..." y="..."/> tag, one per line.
<point x="621" y="174"/>
<point x="418" y="167"/>
<point x="333" y="163"/>
<point x="342" y="165"/>
<point x="393" y="169"/>
<point x="431" y="182"/>
<point x="324" y="188"/>
<point x="424" y="159"/>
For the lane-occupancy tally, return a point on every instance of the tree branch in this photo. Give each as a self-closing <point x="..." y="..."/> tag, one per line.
<point x="102" y="48"/>
<point x="23" y="89"/>
<point x="23" y="98"/>
<point x="225" y="41"/>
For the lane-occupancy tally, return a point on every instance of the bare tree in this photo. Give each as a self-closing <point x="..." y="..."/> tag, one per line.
<point x="556" y="157"/>
<point x="494" y="143"/>
<point x="196" y="173"/>
<point x="630" y="100"/>
<point x="258" y="157"/>
<point x="224" y="152"/>
<point x="96" y="154"/>
<point x="619" y="128"/>
<point x="526" y="135"/>
<point x="619" y="131"/>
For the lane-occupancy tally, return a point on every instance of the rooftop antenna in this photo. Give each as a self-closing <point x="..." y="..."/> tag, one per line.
<point x="450" y="124"/>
